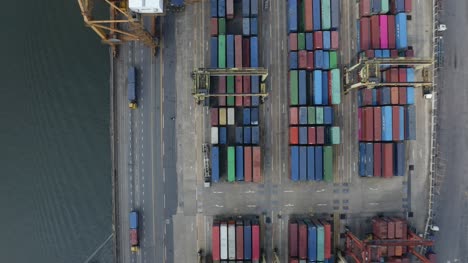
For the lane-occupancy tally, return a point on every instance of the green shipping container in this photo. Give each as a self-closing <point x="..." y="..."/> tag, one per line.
<point x="336" y="86"/>
<point x="222" y="26"/>
<point x="311" y="115"/>
<point x="301" y="41"/>
<point x="335" y="135"/>
<point x="293" y="96"/>
<point x="333" y="59"/>
<point x="320" y="241"/>
<point x="221" y="51"/>
<point x="230" y="89"/>
<point x="231" y="154"/>
<point x="301" y="14"/>
<point x="328" y="164"/>
<point x="384" y="7"/>
<point x="326" y="16"/>
<point x="318" y="115"/>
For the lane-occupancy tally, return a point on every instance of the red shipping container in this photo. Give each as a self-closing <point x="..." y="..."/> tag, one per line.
<point x="293" y="260"/>
<point x="246" y="89"/>
<point x="377" y="160"/>
<point x="396" y="123"/>
<point x="302" y="240"/>
<point x="402" y="75"/>
<point x="327" y="238"/>
<point x="409" y="53"/>
<point x="255" y="242"/>
<point x="238" y="90"/>
<point x="215" y="247"/>
<point x="366" y="97"/>
<point x="365" y="34"/>
<point x="369" y="112"/>
<point x="293" y="116"/>
<point x="214" y="116"/>
<point x="256" y="162"/>
<point x="391" y="228"/>
<point x="248" y="163"/>
<point x="302" y="59"/>
<point x="222" y="90"/>
<point x="311" y="135"/>
<point x="393" y="53"/>
<point x="238" y="50"/>
<point x="402" y="95"/>
<point x="375" y="32"/>
<point x="379" y="228"/>
<point x="387" y="160"/>
<point x="310" y="60"/>
<point x="230" y="9"/>
<point x="398" y="228"/>
<point x="377" y="124"/>
<point x="394" y="95"/>
<point x="391" y="251"/>
<point x="293" y="239"/>
<point x="318" y="40"/>
<point x="320" y="136"/>
<point x="308" y="23"/>
<point x="408" y="6"/>
<point x="293" y="41"/>
<point x="335" y="40"/>
<point x="214" y="26"/>
<point x="360" y="128"/>
<point x="364" y="8"/>
<point x="391" y="32"/>
<point x="239" y="242"/>
<point x="370" y="53"/>
<point x="246" y="52"/>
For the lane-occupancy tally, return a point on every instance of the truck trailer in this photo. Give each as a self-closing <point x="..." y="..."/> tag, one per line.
<point x="131" y="88"/>
<point x="134" y="240"/>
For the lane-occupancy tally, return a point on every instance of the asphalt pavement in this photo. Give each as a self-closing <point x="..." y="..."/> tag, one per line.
<point x="451" y="213"/>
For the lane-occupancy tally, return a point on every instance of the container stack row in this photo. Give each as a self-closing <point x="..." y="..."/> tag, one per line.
<point x="236" y="240"/>
<point x="382" y="28"/>
<point x="310" y="241"/>
<point x="234" y="120"/>
<point x="390" y="228"/>
<point x="314" y="87"/>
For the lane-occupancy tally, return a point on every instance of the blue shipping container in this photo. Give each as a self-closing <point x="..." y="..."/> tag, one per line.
<point x="255" y="87"/>
<point x="246" y="116"/>
<point x="254" y="52"/>
<point x="292" y="15"/>
<point x="309" y="41"/>
<point x="312" y="242"/>
<point x="316" y="15"/>
<point x="255" y="135"/>
<point x="294" y="163"/>
<point x="302" y="87"/>
<point x="303" y="115"/>
<point x="399" y="6"/>
<point x="359" y="97"/>
<point x="410" y="90"/>
<point x="254" y="116"/>
<point x="362" y="159"/>
<point x="239" y="163"/>
<point x="221" y="8"/>
<point x="214" y="8"/>
<point x="247" y="135"/>
<point x="385" y="96"/>
<point x="230" y="51"/>
<point x="399" y="159"/>
<point x="318" y="59"/>
<point x="222" y="135"/>
<point x="214" y="52"/>
<point x="253" y="26"/>
<point x="318" y="163"/>
<point x="303" y="163"/>
<point x="335" y="14"/>
<point x="325" y="87"/>
<point x="247" y="240"/>
<point x="378" y="52"/>
<point x="253" y="8"/>
<point x="246" y="26"/>
<point x="328" y="115"/>
<point x="401" y="111"/>
<point x="401" y="31"/>
<point x="376" y="6"/>
<point x="133" y="220"/>
<point x="302" y="135"/>
<point x="246" y="8"/>
<point x="374" y="97"/>
<point x="310" y="163"/>
<point x="358" y="40"/>
<point x="386" y="53"/>
<point x="214" y="164"/>
<point x="317" y="87"/>
<point x="387" y="123"/>
<point x="239" y="133"/>
<point x="293" y="60"/>
<point x="369" y="159"/>
<point x="326" y="60"/>
<point x="326" y="40"/>
<point x="410" y="122"/>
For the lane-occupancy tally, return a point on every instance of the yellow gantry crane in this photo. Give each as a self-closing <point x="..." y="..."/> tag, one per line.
<point x="201" y="81"/>
<point x="121" y="26"/>
<point x="370" y="74"/>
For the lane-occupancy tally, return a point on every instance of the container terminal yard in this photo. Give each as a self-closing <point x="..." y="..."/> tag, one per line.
<point x="277" y="131"/>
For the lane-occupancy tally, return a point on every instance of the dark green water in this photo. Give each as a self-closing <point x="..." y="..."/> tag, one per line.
<point x="55" y="188"/>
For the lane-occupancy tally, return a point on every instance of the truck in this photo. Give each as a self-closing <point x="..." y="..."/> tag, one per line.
<point x="134" y="240"/>
<point x="147" y="6"/>
<point x="131" y="88"/>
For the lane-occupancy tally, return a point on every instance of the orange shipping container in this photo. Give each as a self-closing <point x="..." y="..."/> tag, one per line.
<point x="309" y="26"/>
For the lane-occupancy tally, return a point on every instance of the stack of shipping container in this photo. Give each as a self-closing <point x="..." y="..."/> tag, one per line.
<point x="237" y="240"/>
<point x="314" y="85"/>
<point x="386" y="115"/>
<point x="310" y="240"/>
<point x="235" y="131"/>
<point x="390" y="228"/>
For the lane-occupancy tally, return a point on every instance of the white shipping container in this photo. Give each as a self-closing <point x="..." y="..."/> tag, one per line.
<point x="224" y="241"/>
<point x="232" y="241"/>
<point x="231" y="116"/>
<point x="214" y="135"/>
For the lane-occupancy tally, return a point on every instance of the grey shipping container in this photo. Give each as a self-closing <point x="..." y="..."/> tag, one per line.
<point x="253" y="8"/>
<point x="410" y="123"/>
<point x="399" y="159"/>
<point x="335" y="14"/>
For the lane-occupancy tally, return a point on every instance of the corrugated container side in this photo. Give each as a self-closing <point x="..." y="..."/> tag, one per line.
<point x="215" y="249"/>
<point x="365" y="33"/>
<point x="316" y="9"/>
<point x="230" y="51"/>
<point x="248" y="163"/>
<point x="294" y="163"/>
<point x="326" y="19"/>
<point x="215" y="164"/>
<point x="328" y="164"/>
<point x="370" y="159"/>
<point x="387" y="160"/>
<point x="222" y="137"/>
<point x="238" y="50"/>
<point x="302" y="135"/>
<point x="377" y="159"/>
<point x="240" y="241"/>
<point x="312" y="241"/>
<point x="319" y="115"/>
<point x="222" y="51"/>
<point x="292" y="15"/>
<point x="255" y="242"/>
<point x="254" y="52"/>
<point x="303" y="162"/>
<point x="303" y="115"/>
<point x="214" y="8"/>
<point x="302" y="240"/>
<point x="401" y="32"/>
<point x="335" y="14"/>
<point x="317" y="87"/>
<point x="318" y="163"/>
<point x="336" y="86"/>
<point x="310" y="163"/>
<point x="293" y="87"/>
<point x="247" y="240"/>
<point x="334" y="59"/>
<point x="302" y="95"/>
<point x="326" y="40"/>
<point x="410" y="123"/>
<point x="239" y="163"/>
<point x="257" y="164"/>
<point x="224" y="241"/>
<point x="362" y="159"/>
<point x="375" y="32"/>
<point x="387" y="123"/>
<point x="308" y="24"/>
<point x="221" y="8"/>
<point x="377" y="123"/>
<point x="245" y="8"/>
<point x="231" y="164"/>
<point x="293" y="135"/>
<point x="293" y="239"/>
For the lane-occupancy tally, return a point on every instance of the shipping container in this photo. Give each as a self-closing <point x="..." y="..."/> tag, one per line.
<point x="302" y="96"/>
<point x="318" y="59"/>
<point x="247" y="163"/>
<point x="213" y="26"/>
<point x="231" y="165"/>
<point x="335" y="135"/>
<point x="293" y="87"/>
<point x="319" y="162"/>
<point x="327" y="115"/>
<point x="327" y="239"/>
<point x="221" y="8"/>
<point x="292" y="41"/>
<point x="253" y="8"/>
<point x="326" y="40"/>
<point x="302" y="135"/>
<point x="215" y="248"/>
<point x="302" y="240"/>
<point x="239" y="163"/>
<point x="245" y="8"/>
<point x="391" y="28"/>
<point x="362" y="159"/>
<point x="239" y="240"/>
<point x="292" y="15"/>
<point x="224" y="241"/>
<point x="255" y="242"/>
<point x="253" y="52"/>
<point x="214" y="52"/>
<point x="377" y="124"/>
<point x="316" y="16"/>
<point x="230" y="51"/>
<point x="293" y="116"/>
<point x="246" y="52"/>
<point x="334" y="40"/>
<point x="410" y="122"/>
<point x="328" y="164"/>
<point x="215" y="164"/>
<point x="334" y="64"/>
<point x="239" y="135"/>
<point x="257" y="164"/>
<point x="254" y="116"/>
<point x="303" y="160"/>
<point x="214" y="116"/>
<point x="318" y="40"/>
<point x="311" y="115"/>
<point x="335" y="77"/>
<point x="308" y="23"/>
<point x="230" y="116"/>
<point x="302" y="61"/>
<point x="293" y="60"/>
<point x="317" y="87"/>
<point x="222" y="26"/>
<point x="255" y="135"/>
<point x="238" y="50"/>
<point x="247" y="240"/>
<point x="395" y="123"/>
<point x="310" y="161"/>
<point x="410" y="90"/>
<point x="222" y="137"/>
<point x="309" y="41"/>
<point x="383" y="30"/>
<point x="221" y="51"/>
<point x="399" y="159"/>
<point x="230" y="89"/>
<point x="401" y="31"/>
<point x="326" y="60"/>
<point x="231" y="240"/>
<point x="377" y="160"/>
<point x="319" y="115"/>
<point x="301" y="45"/>
<point x="247" y="135"/>
<point x="311" y="241"/>
<point x="294" y="162"/>
<point x="246" y="90"/>
<point x="368" y="124"/>
<point x="325" y="87"/>
<point x="222" y="90"/>
<point x="303" y="115"/>
<point x="387" y="129"/>
<point x="214" y="8"/>
<point x="255" y="83"/>
<point x="214" y="135"/>
<point x="376" y="7"/>
<point x="375" y="32"/>
<point x="238" y="88"/>
<point x="293" y="135"/>
<point x="365" y="33"/>
<point x="397" y="6"/>
<point x="320" y="240"/>
<point x="326" y="15"/>
<point x="387" y="160"/>
<point x="408" y="6"/>
<point x="246" y="26"/>
<point x="311" y="134"/>
<point x="369" y="159"/>
<point x="293" y="239"/>
<point x="335" y="13"/>
<point x="385" y="7"/>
